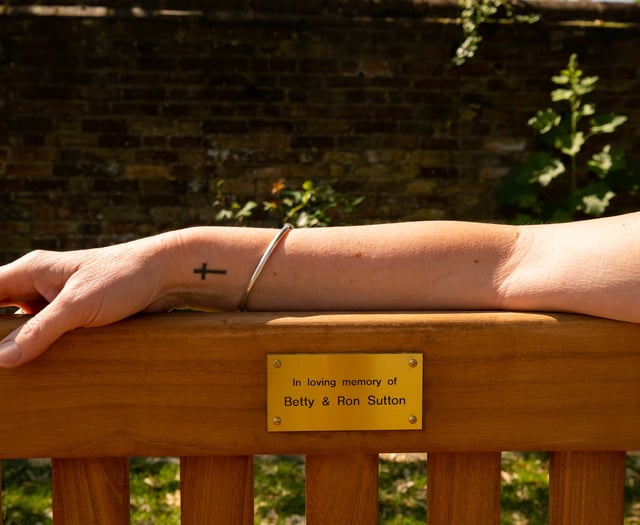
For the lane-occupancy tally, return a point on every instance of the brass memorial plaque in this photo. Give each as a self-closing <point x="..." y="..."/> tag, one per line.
<point x="350" y="391"/>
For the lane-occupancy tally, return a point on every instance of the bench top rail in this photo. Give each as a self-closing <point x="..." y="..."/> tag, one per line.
<point x="194" y="384"/>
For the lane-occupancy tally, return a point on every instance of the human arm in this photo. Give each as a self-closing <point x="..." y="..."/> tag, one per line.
<point x="409" y="266"/>
<point x="590" y="267"/>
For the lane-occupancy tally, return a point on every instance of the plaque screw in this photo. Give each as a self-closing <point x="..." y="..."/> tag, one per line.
<point x="413" y="362"/>
<point x="277" y="363"/>
<point x="276" y="420"/>
<point x="413" y="420"/>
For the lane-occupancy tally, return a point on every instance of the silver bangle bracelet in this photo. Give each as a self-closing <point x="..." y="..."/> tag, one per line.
<point x="261" y="264"/>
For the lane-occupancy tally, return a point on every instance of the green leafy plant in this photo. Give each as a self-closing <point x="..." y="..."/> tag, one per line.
<point x="563" y="182"/>
<point x="229" y="209"/>
<point x="474" y="13"/>
<point x="310" y="205"/>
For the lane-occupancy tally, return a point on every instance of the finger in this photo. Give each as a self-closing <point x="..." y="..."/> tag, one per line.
<point x="35" y="277"/>
<point x="15" y="281"/>
<point x="35" y="336"/>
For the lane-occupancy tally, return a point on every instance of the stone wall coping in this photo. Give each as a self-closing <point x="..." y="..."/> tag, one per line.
<point x="318" y="11"/>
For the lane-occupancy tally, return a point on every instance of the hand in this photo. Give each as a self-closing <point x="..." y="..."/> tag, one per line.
<point x="76" y="289"/>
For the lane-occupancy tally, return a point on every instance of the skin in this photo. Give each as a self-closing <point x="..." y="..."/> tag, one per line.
<point x="590" y="267"/>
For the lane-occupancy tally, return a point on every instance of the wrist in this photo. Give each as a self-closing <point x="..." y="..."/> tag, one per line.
<point x="208" y="268"/>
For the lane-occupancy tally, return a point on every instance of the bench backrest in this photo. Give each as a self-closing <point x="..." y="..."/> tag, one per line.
<point x="194" y="386"/>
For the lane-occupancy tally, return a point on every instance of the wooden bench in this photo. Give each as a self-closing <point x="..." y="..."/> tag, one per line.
<point x="194" y="386"/>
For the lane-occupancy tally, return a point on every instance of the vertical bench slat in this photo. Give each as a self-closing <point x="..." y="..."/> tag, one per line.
<point x="587" y="488"/>
<point x="216" y="490"/>
<point x="92" y="491"/>
<point x="342" y="488"/>
<point x="463" y="488"/>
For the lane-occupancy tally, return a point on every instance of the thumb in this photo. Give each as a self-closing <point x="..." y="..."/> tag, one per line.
<point x="34" y="337"/>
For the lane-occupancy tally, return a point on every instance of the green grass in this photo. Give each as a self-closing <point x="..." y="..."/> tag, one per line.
<point x="525" y="489"/>
<point x="279" y="491"/>
<point x="402" y="490"/>
<point x="154" y="484"/>
<point x="26" y="492"/>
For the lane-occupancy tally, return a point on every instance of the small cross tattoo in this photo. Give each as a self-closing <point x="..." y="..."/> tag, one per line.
<point x="204" y="271"/>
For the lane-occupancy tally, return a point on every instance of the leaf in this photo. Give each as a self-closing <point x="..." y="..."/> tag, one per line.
<point x="466" y="50"/>
<point x="593" y="199"/>
<point x="550" y="172"/>
<point x="270" y="205"/>
<point x="621" y="173"/>
<point x="528" y="19"/>
<point x="585" y="85"/>
<point x="561" y="94"/>
<point x="560" y="79"/>
<point x="544" y="120"/>
<point x="304" y="221"/>
<point x="587" y="109"/>
<point x="595" y="205"/>
<point x="520" y="187"/>
<point x="247" y="210"/>
<point x="571" y="145"/>
<point x="530" y="171"/>
<point x="602" y="162"/>
<point x="223" y="215"/>
<point x="606" y="123"/>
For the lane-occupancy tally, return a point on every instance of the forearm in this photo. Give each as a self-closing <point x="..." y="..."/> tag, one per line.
<point x="587" y="267"/>
<point x="427" y="265"/>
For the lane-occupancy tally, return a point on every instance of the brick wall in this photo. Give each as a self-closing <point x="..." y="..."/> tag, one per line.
<point x="118" y="123"/>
